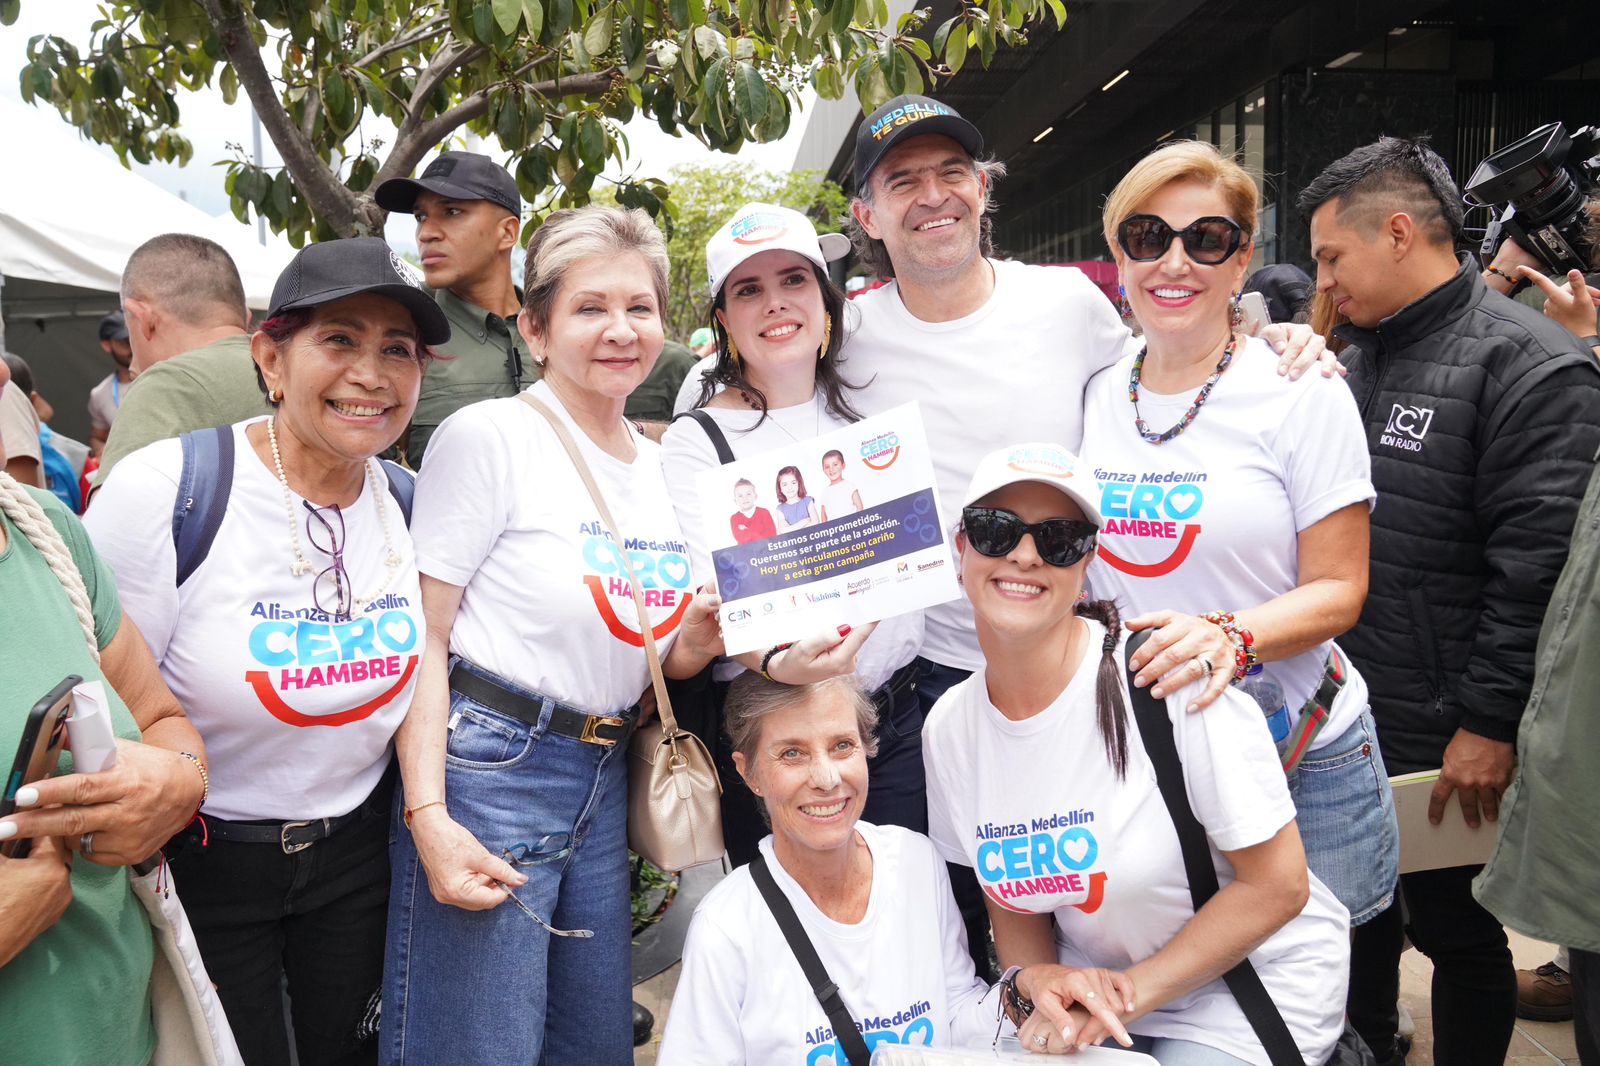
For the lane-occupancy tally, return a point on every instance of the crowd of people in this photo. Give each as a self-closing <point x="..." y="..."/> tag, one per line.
<point x="368" y="625"/>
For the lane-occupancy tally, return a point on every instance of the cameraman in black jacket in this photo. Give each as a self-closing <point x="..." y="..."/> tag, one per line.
<point x="1483" y="422"/>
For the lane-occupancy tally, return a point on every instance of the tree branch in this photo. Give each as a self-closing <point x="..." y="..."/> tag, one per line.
<point x="421" y="33"/>
<point x="329" y="199"/>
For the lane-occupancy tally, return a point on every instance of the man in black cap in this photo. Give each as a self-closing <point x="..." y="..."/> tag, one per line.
<point x="469" y="217"/>
<point x="106" y="397"/>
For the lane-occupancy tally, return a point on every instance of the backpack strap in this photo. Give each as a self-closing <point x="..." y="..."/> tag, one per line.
<point x="402" y="486"/>
<point x="203" y="488"/>
<point x="714" y="431"/>
<point x="822" y="986"/>
<point x="1155" y="730"/>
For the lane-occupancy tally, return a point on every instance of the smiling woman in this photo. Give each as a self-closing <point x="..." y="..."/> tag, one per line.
<point x="309" y="593"/>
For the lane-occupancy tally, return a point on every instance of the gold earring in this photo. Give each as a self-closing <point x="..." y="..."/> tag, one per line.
<point x="275" y="396"/>
<point x="827" y="337"/>
<point x="733" y="350"/>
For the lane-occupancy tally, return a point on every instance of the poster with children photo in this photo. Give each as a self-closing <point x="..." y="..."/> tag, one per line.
<point x="841" y="529"/>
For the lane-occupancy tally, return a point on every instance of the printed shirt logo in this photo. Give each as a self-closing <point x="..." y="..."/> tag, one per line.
<point x="662" y="569"/>
<point x="881" y="451"/>
<point x="911" y="1025"/>
<point x="1407" y="427"/>
<point x="1150" y="508"/>
<point x="1052" y="858"/>
<point x="303" y="650"/>
<point x="758" y="228"/>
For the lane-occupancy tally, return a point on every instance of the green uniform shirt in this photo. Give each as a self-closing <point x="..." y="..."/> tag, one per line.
<point x="652" y="400"/>
<point x="1541" y="878"/>
<point x="488" y="359"/>
<point x="211" y="386"/>
<point x="79" y="994"/>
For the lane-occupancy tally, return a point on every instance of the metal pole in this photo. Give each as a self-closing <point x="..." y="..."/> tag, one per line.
<point x="255" y="129"/>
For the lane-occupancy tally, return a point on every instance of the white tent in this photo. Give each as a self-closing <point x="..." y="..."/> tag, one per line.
<point x="70" y="216"/>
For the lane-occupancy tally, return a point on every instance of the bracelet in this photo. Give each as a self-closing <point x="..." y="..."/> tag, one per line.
<point x="205" y="777"/>
<point x="1016" y="1006"/>
<point x="1497" y="272"/>
<point x="766" y="661"/>
<point x="409" y="811"/>
<point x="1244" y="642"/>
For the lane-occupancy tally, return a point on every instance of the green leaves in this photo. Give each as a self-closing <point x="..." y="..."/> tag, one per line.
<point x="507" y="14"/>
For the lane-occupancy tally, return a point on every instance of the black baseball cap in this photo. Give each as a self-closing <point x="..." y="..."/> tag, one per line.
<point x="114" y="327"/>
<point x="455" y="176"/>
<point x="909" y="116"/>
<point x="333" y="270"/>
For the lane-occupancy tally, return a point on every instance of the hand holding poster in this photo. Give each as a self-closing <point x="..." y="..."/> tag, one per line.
<point x="840" y="529"/>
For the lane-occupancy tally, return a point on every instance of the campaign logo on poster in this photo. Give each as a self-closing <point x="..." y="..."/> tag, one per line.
<point x="304" y="654"/>
<point x="1150" y="509"/>
<point x="1051" y="857"/>
<point x="881" y="451"/>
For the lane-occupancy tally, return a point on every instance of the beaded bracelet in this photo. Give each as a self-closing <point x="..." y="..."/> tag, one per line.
<point x="205" y="778"/>
<point x="766" y="661"/>
<point x="1244" y="642"/>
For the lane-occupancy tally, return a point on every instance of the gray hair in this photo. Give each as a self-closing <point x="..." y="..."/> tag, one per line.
<point x="574" y="234"/>
<point x="751" y="698"/>
<point x="189" y="277"/>
<point x="872" y="252"/>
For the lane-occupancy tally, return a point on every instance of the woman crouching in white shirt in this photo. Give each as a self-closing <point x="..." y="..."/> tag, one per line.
<point x="873" y="900"/>
<point x="1039" y="780"/>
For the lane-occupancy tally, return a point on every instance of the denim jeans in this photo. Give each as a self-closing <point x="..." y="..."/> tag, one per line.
<point x="493" y="986"/>
<point x="1347" y="822"/>
<point x="315" y="918"/>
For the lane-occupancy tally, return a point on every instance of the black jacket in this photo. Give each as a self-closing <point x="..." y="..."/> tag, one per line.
<point x="1483" y="419"/>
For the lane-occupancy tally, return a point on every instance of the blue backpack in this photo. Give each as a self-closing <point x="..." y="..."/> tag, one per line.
<point x="206" y="481"/>
<point x="59" y="475"/>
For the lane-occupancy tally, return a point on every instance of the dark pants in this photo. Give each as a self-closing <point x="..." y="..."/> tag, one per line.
<point x="316" y="917"/>
<point x="897" y="792"/>
<point x="1584" y="969"/>
<point x="933" y="680"/>
<point x="1474" y="981"/>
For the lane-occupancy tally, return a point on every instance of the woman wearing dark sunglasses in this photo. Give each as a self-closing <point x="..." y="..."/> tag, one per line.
<point x="1236" y="505"/>
<point x="293" y="646"/>
<point x="1038" y="779"/>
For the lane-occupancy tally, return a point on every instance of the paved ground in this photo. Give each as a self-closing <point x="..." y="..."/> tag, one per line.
<point x="1535" y="1043"/>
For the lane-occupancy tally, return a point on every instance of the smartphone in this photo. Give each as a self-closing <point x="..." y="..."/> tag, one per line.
<point x="1256" y="315"/>
<point x="38" y="752"/>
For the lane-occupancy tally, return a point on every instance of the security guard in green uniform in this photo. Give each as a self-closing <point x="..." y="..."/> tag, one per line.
<point x="469" y="217"/>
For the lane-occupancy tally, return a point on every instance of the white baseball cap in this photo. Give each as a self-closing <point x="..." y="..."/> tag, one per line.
<point x="757" y="228"/>
<point x="1046" y="463"/>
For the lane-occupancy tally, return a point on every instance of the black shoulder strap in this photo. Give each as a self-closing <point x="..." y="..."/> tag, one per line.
<point x="1155" y="729"/>
<point x="402" y="486"/>
<point x="203" y="488"/>
<point x="714" y="431"/>
<point x="822" y="986"/>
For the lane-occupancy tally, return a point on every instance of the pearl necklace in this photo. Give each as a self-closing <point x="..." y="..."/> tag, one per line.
<point x="301" y="565"/>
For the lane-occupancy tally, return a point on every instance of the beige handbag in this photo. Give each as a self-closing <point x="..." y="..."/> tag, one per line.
<point x="674" y="794"/>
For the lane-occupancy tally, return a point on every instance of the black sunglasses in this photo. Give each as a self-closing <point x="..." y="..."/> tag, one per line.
<point x="1059" y="541"/>
<point x="1210" y="240"/>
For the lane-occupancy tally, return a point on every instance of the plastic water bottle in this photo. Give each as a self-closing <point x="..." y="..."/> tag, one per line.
<point x="1269" y="694"/>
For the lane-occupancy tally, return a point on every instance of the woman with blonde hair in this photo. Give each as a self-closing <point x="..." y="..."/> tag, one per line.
<point x="1236" y="505"/>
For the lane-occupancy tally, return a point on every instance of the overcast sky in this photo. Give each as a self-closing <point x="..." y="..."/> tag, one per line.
<point x="211" y="125"/>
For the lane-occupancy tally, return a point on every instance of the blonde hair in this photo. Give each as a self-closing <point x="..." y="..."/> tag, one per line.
<point x="1196" y="161"/>
<point x="575" y="234"/>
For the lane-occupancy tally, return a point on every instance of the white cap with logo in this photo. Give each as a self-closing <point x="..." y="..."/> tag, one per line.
<point x="1048" y="464"/>
<point x="757" y="228"/>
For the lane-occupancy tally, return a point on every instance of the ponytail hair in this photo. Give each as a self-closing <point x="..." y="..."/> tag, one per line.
<point x="1111" y="714"/>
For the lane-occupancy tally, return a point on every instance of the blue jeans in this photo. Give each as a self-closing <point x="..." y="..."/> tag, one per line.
<point x="493" y="986"/>
<point x="1347" y="821"/>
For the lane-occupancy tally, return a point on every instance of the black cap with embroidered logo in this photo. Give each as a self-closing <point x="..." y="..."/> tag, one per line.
<point x="114" y="327"/>
<point x="335" y="270"/>
<point x="455" y="176"/>
<point x="909" y="116"/>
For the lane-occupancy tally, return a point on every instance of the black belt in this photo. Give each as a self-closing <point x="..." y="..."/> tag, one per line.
<point x="900" y="683"/>
<point x="294" y="837"/>
<point x="564" y="721"/>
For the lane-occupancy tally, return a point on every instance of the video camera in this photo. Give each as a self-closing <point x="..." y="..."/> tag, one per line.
<point x="1538" y="188"/>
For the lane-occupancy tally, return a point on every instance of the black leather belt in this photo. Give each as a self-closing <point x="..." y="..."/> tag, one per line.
<point x="295" y="837"/>
<point x="902" y="682"/>
<point x="564" y="721"/>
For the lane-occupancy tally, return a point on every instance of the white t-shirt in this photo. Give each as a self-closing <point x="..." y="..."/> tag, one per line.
<point x="1013" y="370"/>
<point x="1036" y="808"/>
<point x="297" y="709"/>
<point x="903" y="970"/>
<point x="838" y="499"/>
<point x="1208" y="520"/>
<point x="686" y="452"/>
<point x="502" y="512"/>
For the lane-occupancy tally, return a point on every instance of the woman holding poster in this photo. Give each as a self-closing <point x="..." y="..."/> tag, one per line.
<point x="780" y="323"/>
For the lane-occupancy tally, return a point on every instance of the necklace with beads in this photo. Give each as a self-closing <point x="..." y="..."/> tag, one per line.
<point x="1194" y="408"/>
<point x="301" y="565"/>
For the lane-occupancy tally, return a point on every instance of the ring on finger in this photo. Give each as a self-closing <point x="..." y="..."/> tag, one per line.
<point x="86" y="844"/>
<point x="1041" y="1040"/>
<point x="1205" y="664"/>
<point x="1089" y="996"/>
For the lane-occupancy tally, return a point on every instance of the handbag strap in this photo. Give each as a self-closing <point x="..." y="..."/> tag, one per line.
<point x="669" y="721"/>
<point x="805" y="953"/>
<point x="713" y="431"/>
<point x="1155" y="730"/>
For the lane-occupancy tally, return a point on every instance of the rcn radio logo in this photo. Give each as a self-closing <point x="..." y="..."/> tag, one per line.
<point x="881" y="451"/>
